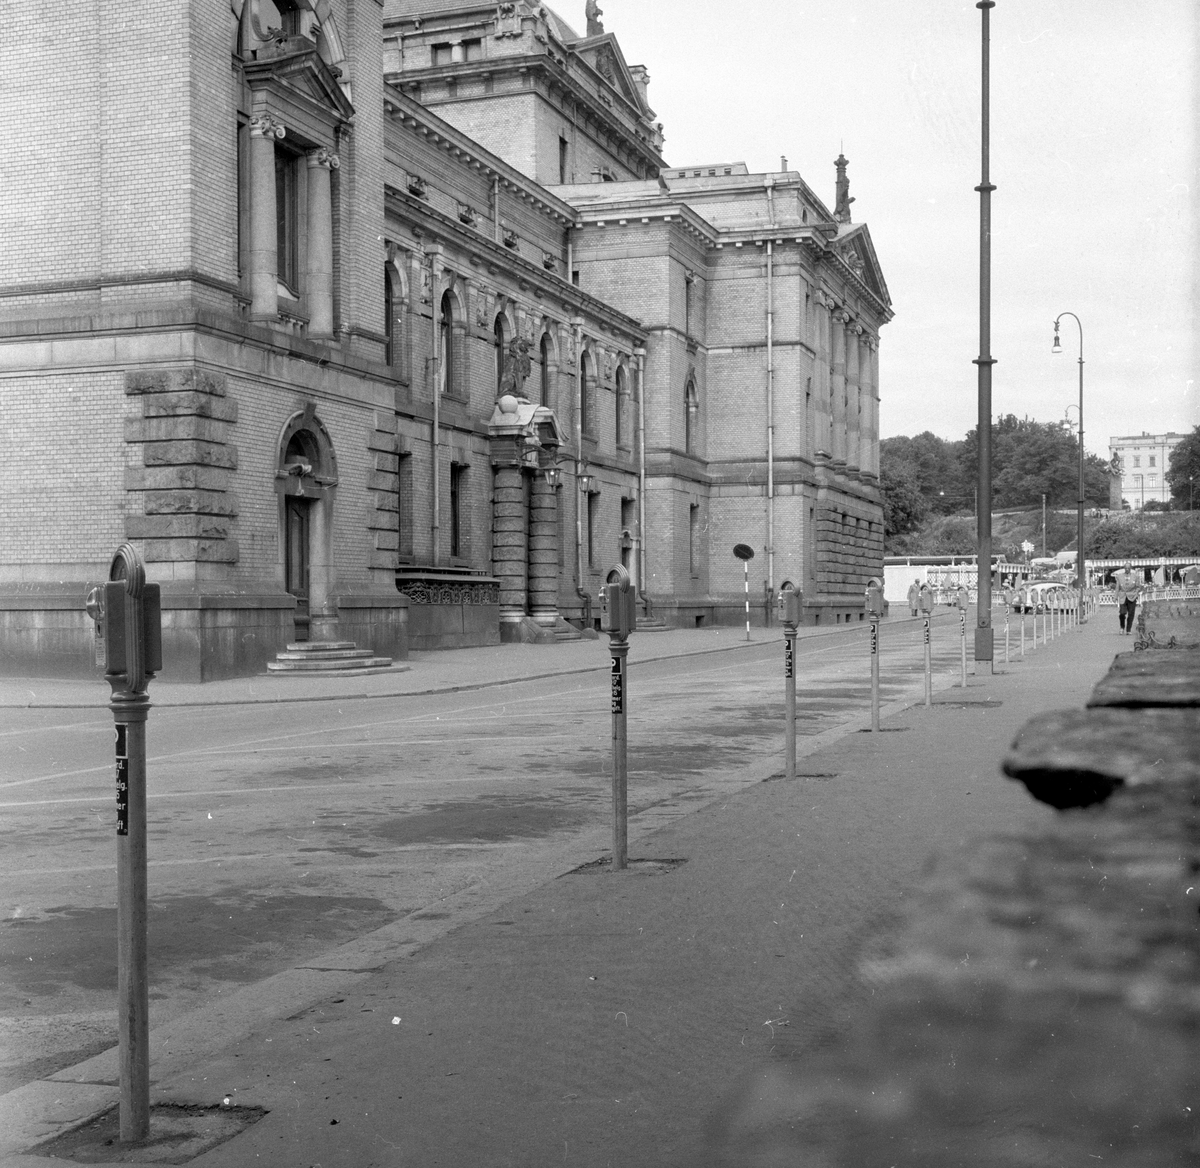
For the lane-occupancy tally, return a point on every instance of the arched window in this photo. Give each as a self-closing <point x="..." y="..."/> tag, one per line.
<point x="544" y="350"/>
<point x="446" y="345"/>
<point x="500" y="332"/>
<point x="622" y="400"/>
<point x="391" y="350"/>
<point x="691" y="422"/>
<point x="586" y="418"/>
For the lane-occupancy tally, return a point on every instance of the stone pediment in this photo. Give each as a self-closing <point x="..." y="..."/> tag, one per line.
<point x="604" y="55"/>
<point x="292" y="66"/>
<point x="854" y="246"/>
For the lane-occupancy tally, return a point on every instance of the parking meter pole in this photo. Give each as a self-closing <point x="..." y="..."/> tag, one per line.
<point x="620" y="745"/>
<point x="133" y="1006"/>
<point x="618" y="599"/>
<point x="789" y="692"/>
<point x="1006" y="638"/>
<point x="1022" y="630"/>
<point x="746" y="571"/>
<point x="962" y="632"/>
<point x="928" y="668"/>
<point x="875" y="677"/>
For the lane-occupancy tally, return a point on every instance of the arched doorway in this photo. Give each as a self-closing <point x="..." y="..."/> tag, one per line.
<point x="305" y="481"/>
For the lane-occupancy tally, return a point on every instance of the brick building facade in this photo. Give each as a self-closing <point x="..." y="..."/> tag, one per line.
<point x="400" y="330"/>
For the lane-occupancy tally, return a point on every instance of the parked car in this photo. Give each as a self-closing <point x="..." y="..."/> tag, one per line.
<point x="1047" y="595"/>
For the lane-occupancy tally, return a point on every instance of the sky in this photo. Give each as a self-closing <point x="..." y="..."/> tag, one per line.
<point x="1093" y="113"/>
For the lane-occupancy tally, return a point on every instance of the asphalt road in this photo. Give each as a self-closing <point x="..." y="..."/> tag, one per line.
<point x="278" y="833"/>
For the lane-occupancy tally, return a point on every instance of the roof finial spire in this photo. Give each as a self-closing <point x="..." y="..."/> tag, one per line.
<point x="841" y="209"/>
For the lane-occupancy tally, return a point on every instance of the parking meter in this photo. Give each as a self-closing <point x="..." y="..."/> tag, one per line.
<point x="618" y="605"/>
<point x="962" y="598"/>
<point x="128" y="616"/>
<point x="128" y="644"/>
<point x="874" y="594"/>
<point x="788" y="606"/>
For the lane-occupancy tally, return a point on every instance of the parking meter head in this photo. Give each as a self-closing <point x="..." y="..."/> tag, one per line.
<point x="874" y="599"/>
<point x="962" y="597"/>
<point x="620" y="604"/>
<point x="789" y="605"/>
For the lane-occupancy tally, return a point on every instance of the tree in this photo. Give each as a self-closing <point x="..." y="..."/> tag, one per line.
<point x="1031" y="459"/>
<point x="1184" y="474"/>
<point x="904" y="507"/>
<point x="935" y="465"/>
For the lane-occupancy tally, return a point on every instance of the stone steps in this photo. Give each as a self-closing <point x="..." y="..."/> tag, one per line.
<point x="651" y="624"/>
<point x="306" y="658"/>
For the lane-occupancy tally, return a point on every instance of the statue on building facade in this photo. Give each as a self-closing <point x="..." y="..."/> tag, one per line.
<point x="594" y="12"/>
<point x="841" y="209"/>
<point x="516" y="368"/>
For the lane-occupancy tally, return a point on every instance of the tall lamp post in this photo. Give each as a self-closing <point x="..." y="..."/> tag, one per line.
<point x="1079" y="558"/>
<point x="985" y="361"/>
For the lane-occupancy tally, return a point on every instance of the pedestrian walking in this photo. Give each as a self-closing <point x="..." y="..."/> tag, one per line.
<point x="1129" y="589"/>
<point x="914" y="598"/>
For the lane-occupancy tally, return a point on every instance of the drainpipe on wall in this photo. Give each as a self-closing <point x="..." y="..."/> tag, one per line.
<point x="580" y="502"/>
<point x="770" y="416"/>
<point x="640" y="354"/>
<point x="435" y="317"/>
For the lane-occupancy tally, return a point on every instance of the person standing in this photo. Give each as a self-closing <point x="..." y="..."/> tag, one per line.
<point x="914" y="598"/>
<point x="1129" y="588"/>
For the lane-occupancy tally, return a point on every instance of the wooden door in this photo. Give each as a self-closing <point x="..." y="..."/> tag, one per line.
<point x="296" y="560"/>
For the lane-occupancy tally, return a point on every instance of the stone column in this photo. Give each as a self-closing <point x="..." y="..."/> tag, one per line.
<point x="264" y="258"/>
<point x="854" y="395"/>
<point x="543" y="552"/>
<point x="510" y="553"/>
<point x="870" y="416"/>
<point x="837" y="385"/>
<point x="319" y="277"/>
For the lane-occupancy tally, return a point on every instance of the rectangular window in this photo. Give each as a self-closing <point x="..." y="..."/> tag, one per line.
<point x="593" y="509"/>
<point x="1151" y="462"/>
<point x="440" y="55"/>
<point x="458" y="474"/>
<point x="694" y="539"/>
<point x="472" y="50"/>
<point x="1152" y="480"/>
<point x="562" y="160"/>
<point x="404" y="519"/>
<point x="286" y="218"/>
<point x="1137" y="460"/>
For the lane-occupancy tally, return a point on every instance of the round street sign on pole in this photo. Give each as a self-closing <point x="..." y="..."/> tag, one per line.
<point x="745" y="553"/>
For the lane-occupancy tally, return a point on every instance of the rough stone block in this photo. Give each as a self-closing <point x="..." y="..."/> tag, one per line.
<point x="175" y="527"/>
<point x="174" y="380"/>
<point x="189" y="402"/>
<point x="193" y="453"/>
<point x="190" y="503"/>
<point x="176" y="427"/>
<point x="171" y="478"/>
<point x="1155" y="677"/>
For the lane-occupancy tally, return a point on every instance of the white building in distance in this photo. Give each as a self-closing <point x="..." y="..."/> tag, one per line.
<point x="1144" y="460"/>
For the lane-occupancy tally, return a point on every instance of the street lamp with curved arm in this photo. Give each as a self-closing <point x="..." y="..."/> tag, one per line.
<point x="1079" y="559"/>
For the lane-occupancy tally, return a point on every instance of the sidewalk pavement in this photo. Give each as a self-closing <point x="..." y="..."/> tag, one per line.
<point x="421" y="673"/>
<point x="613" y="1018"/>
